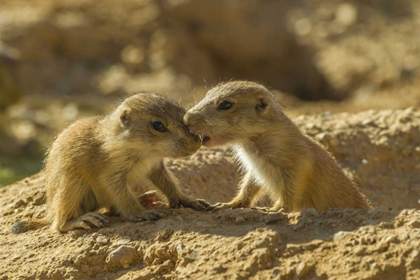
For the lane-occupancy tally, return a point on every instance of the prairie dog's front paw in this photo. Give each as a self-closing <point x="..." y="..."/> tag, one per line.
<point x="218" y="206"/>
<point x="196" y="204"/>
<point x="142" y="216"/>
<point x="228" y="205"/>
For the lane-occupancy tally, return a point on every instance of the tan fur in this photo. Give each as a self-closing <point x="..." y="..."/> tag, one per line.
<point x="293" y="169"/>
<point x="96" y="162"/>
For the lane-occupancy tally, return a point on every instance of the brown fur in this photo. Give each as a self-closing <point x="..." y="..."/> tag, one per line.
<point x="296" y="171"/>
<point x="96" y="162"/>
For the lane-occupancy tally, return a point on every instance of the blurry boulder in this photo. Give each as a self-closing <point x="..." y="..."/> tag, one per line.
<point x="9" y="91"/>
<point x="363" y="45"/>
<point x="316" y="49"/>
<point x="9" y="94"/>
<point x="242" y="40"/>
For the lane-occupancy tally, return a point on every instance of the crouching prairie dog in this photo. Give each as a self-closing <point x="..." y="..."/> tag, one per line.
<point x="277" y="157"/>
<point x="96" y="162"/>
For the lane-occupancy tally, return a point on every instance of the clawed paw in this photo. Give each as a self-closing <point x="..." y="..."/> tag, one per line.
<point x="269" y="209"/>
<point x="227" y="205"/>
<point x="86" y="222"/>
<point x="219" y="206"/>
<point x="146" y="216"/>
<point x="196" y="204"/>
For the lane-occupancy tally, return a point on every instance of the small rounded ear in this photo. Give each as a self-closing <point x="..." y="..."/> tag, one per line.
<point x="125" y="118"/>
<point x="261" y="105"/>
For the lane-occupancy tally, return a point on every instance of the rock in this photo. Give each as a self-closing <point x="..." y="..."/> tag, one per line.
<point x="359" y="251"/>
<point x="167" y="265"/>
<point x="346" y="14"/>
<point x="391" y="239"/>
<point x="240" y="219"/>
<point x="123" y="240"/>
<point x="340" y="235"/>
<point x="122" y="256"/>
<point x="415" y="223"/>
<point x="302" y="269"/>
<point x="180" y="248"/>
<point x="367" y="121"/>
<point x="262" y="49"/>
<point x="179" y="218"/>
<point x="193" y="256"/>
<point x="164" y="235"/>
<point x="310" y="212"/>
<point x="102" y="240"/>
<point x="273" y="218"/>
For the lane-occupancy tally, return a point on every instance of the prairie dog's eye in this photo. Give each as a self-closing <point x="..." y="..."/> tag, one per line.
<point x="224" y="105"/>
<point x="159" y="126"/>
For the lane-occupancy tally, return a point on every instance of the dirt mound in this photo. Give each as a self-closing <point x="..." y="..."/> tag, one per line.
<point x="380" y="148"/>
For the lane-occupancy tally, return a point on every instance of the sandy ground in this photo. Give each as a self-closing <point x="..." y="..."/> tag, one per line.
<point x="381" y="147"/>
<point x="78" y="58"/>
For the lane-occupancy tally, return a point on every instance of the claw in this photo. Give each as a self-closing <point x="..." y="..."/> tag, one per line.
<point x="146" y="216"/>
<point x="196" y="204"/>
<point x="84" y="225"/>
<point x="203" y="203"/>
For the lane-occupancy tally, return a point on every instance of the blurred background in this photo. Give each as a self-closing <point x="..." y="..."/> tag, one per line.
<point x="61" y="60"/>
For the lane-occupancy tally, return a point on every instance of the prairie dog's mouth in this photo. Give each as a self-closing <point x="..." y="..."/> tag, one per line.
<point x="208" y="140"/>
<point x="204" y="138"/>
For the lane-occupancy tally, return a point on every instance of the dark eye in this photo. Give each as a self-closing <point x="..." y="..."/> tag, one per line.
<point x="224" y="105"/>
<point x="158" y="126"/>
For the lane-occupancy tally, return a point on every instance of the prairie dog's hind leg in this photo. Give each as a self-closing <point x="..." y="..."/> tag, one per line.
<point x="72" y="207"/>
<point x="85" y="222"/>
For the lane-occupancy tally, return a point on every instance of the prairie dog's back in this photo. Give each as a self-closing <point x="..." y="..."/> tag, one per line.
<point x="76" y="152"/>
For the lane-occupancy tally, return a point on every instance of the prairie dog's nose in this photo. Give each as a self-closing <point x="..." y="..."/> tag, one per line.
<point x="187" y="118"/>
<point x="193" y="118"/>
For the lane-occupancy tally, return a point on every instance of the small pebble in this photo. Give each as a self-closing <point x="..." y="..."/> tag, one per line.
<point x="102" y="240"/>
<point x="123" y="240"/>
<point x="390" y="239"/>
<point x="122" y="256"/>
<point x="414" y="223"/>
<point x="180" y="248"/>
<point x="311" y="212"/>
<point x="239" y="219"/>
<point x="302" y="269"/>
<point x="340" y="235"/>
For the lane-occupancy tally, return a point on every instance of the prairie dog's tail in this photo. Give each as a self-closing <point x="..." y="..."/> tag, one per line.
<point x="24" y="226"/>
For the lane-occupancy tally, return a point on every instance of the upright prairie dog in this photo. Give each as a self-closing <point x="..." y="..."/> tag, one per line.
<point x="292" y="168"/>
<point x="96" y="162"/>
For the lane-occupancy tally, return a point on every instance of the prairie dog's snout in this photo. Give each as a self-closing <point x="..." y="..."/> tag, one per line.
<point x="192" y="117"/>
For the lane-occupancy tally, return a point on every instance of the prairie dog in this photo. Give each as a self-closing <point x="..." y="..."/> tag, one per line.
<point x="96" y="162"/>
<point x="293" y="169"/>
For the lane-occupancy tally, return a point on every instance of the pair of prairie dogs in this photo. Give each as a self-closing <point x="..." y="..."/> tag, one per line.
<point x="97" y="161"/>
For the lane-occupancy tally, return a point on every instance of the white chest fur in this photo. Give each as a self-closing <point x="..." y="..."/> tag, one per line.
<point x="262" y="172"/>
<point x="139" y="172"/>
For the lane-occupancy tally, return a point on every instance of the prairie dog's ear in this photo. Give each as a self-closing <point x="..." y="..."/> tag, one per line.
<point x="261" y="105"/>
<point x="125" y="118"/>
